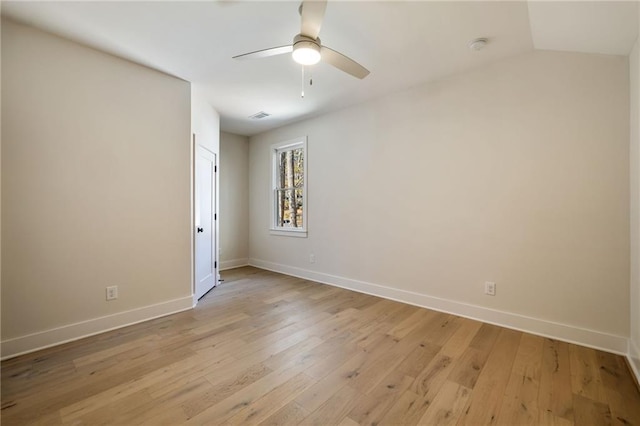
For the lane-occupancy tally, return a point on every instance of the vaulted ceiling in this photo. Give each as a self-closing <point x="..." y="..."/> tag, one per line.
<point x="403" y="44"/>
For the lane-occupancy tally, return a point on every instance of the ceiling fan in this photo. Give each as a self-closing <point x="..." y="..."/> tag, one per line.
<point x="307" y="48"/>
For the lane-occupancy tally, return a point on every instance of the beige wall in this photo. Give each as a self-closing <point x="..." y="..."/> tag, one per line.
<point x="95" y="190"/>
<point x="234" y="200"/>
<point x="634" y="71"/>
<point x="516" y="173"/>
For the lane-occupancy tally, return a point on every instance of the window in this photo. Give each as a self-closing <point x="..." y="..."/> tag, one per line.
<point x="289" y="186"/>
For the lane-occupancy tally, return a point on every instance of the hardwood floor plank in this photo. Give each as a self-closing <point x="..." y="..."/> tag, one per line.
<point x="226" y="384"/>
<point x="164" y="410"/>
<point x="24" y="380"/>
<point x="335" y="409"/>
<point x="407" y="325"/>
<point x="447" y="406"/>
<point x="47" y="401"/>
<point x="374" y="371"/>
<point x="621" y="390"/>
<point x="468" y="369"/>
<point x="331" y="353"/>
<point x="488" y="392"/>
<point x="94" y="403"/>
<point x="485" y="338"/>
<point x="585" y="374"/>
<point x="434" y="375"/>
<point x="461" y="338"/>
<point x="555" y="395"/>
<point x="291" y="414"/>
<point x="547" y="418"/>
<point x="302" y="350"/>
<point x="520" y="404"/>
<point x="214" y="325"/>
<point x="106" y="353"/>
<point x="589" y="412"/>
<point x="370" y="408"/>
<point x="272" y="401"/>
<point x="348" y="422"/>
<point x="234" y="403"/>
<point x="322" y="390"/>
<point x="407" y="410"/>
<point x="52" y="419"/>
<point x="440" y="329"/>
<point x="418" y="359"/>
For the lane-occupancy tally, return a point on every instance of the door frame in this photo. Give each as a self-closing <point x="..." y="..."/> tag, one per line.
<point x="215" y="251"/>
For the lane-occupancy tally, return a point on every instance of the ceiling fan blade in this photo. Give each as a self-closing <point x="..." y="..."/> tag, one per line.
<point x="312" y="12"/>
<point x="343" y="63"/>
<point x="266" y="52"/>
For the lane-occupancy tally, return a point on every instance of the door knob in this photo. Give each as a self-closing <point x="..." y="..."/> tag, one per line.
<point x="200" y="229"/>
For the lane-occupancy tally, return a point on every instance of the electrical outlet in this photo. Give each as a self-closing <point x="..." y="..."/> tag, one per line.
<point x="112" y="292"/>
<point x="490" y="288"/>
<point x="312" y="258"/>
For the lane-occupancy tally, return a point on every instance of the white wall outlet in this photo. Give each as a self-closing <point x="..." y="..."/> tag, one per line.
<point x="490" y="288"/>
<point x="112" y="292"/>
<point x="312" y="258"/>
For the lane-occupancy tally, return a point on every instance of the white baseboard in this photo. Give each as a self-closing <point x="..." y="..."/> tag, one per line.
<point x="68" y="333"/>
<point x="634" y="358"/>
<point x="590" y="338"/>
<point x="233" y="263"/>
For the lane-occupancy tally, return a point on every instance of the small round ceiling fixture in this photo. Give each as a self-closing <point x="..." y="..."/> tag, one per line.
<point x="478" y="43"/>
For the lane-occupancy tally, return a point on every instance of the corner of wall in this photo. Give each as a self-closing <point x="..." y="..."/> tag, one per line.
<point x="634" y="358"/>
<point x="234" y="202"/>
<point x="634" y="185"/>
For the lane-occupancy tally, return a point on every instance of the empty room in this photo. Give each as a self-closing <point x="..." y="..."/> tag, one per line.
<point x="320" y="212"/>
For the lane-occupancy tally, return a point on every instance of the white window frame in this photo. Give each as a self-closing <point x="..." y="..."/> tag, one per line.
<point x="275" y="150"/>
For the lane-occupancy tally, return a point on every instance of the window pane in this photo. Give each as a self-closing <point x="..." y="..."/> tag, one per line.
<point x="291" y="168"/>
<point x="299" y="207"/>
<point x="289" y="209"/>
<point x="298" y="167"/>
<point x="282" y="169"/>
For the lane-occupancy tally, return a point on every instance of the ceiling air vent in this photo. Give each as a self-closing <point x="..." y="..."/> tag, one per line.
<point x="259" y="115"/>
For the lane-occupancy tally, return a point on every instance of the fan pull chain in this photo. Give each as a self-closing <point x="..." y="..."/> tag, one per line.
<point x="310" y="82"/>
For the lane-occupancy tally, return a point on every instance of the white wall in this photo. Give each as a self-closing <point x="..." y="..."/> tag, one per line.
<point x="634" y="74"/>
<point x="205" y="121"/>
<point x="234" y="200"/>
<point x="516" y="173"/>
<point x="95" y="191"/>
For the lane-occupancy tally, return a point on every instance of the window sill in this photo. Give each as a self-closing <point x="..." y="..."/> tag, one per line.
<point x="288" y="232"/>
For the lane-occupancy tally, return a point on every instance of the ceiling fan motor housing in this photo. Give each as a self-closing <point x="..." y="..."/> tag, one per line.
<point x="306" y="50"/>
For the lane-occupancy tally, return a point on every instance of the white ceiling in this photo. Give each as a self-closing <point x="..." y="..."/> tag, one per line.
<point x="593" y="27"/>
<point x="402" y="43"/>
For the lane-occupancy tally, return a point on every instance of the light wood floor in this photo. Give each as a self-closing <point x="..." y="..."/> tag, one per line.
<point x="271" y="349"/>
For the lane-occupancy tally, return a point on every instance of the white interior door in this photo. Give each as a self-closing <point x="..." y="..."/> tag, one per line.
<point x="206" y="275"/>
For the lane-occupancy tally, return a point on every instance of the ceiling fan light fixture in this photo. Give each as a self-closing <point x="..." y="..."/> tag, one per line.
<point x="306" y="51"/>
